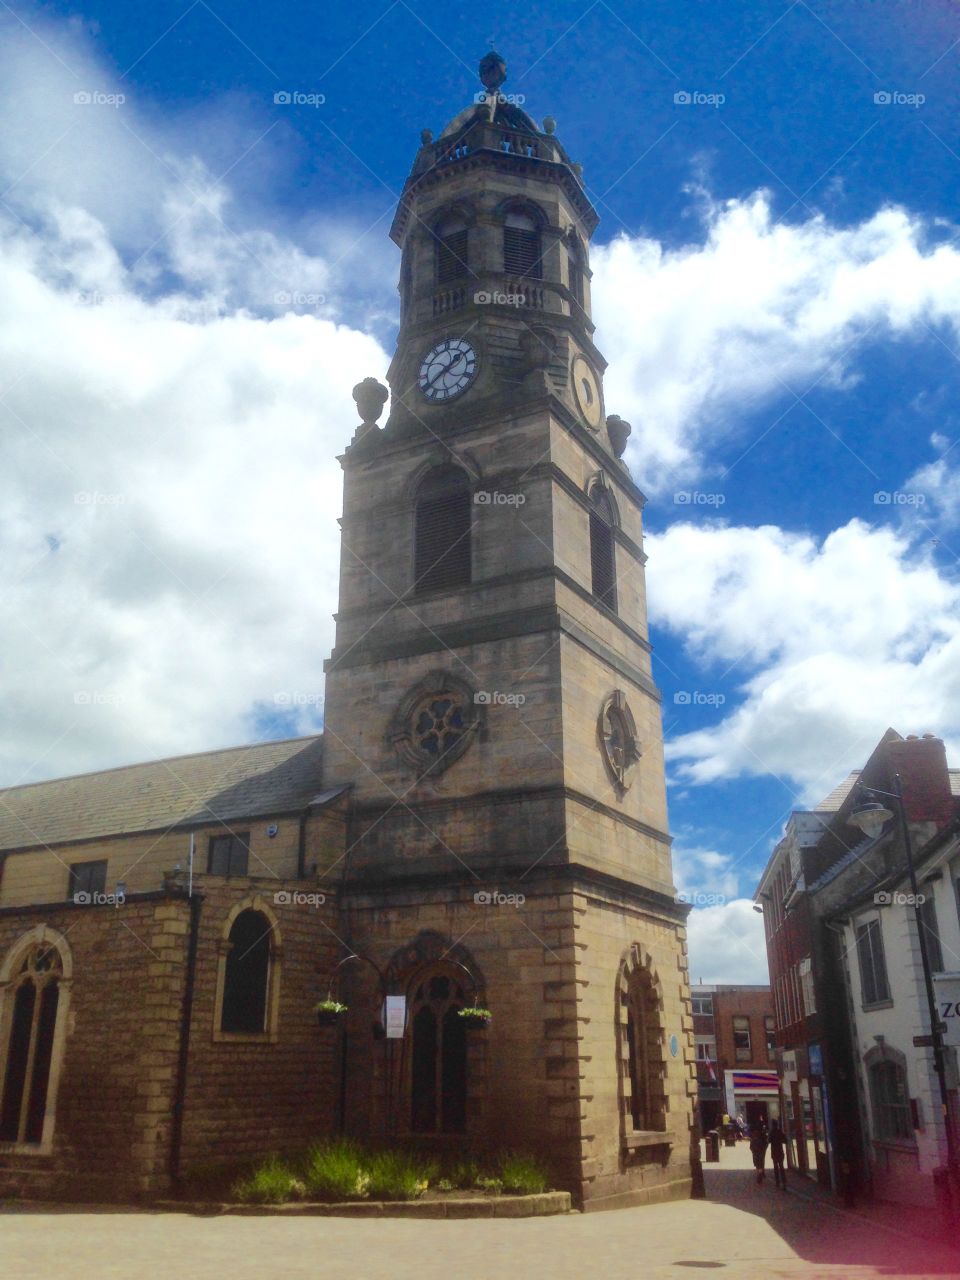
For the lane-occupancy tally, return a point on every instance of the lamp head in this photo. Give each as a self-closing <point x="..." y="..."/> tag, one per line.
<point x="870" y="816"/>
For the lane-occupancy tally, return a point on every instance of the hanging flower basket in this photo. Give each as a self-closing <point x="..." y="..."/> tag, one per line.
<point x="329" y="1012"/>
<point x="476" y="1019"/>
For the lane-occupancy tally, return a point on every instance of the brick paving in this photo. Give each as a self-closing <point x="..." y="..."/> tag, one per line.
<point x="743" y="1230"/>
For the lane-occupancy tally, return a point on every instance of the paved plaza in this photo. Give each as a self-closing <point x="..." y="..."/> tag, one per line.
<point x="741" y="1230"/>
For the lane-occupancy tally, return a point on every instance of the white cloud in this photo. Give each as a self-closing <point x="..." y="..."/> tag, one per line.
<point x="168" y="437"/>
<point x="703" y="876"/>
<point x="839" y="640"/>
<point x="726" y="944"/>
<point x="700" y="335"/>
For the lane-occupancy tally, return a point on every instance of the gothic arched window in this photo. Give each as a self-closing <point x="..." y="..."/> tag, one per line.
<point x="246" y="975"/>
<point x="438" y="1057"/>
<point x="603" y="563"/>
<point x="32" y="1005"/>
<point x="521" y="246"/>
<point x="452" y="261"/>
<point x="442" y="533"/>
<point x="641" y="1052"/>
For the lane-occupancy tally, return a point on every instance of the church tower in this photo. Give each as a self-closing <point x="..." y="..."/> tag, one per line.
<point x="490" y="701"/>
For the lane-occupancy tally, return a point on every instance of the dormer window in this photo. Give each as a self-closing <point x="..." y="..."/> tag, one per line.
<point x="521" y="246"/>
<point x="451" y="250"/>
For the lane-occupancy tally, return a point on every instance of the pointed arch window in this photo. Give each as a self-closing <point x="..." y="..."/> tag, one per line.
<point x="603" y="562"/>
<point x="438" y="1055"/>
<point x="34" y="997"/>
<point x="452" y="247"/>
<point x="522" y="250"/>
<point x="442" y="533"/>
<point x="248" y="981"/>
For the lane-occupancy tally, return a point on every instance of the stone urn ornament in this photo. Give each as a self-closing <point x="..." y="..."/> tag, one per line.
<point x="619" y="432"/>
<point x="369" y="396"/>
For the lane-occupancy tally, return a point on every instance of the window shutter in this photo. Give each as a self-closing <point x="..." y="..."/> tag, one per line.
<point x="602" y="564"/>
<point x="521" y="252"/>
<point x="451" y="256"/>
<point x="442" y="532"/>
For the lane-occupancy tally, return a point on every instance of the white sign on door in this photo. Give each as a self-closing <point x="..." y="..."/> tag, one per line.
<point x="395" y="1016"/>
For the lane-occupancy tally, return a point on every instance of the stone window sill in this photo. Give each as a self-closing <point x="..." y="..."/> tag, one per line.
<point x="879" y="1004"/>
<point x="245" y="1037"/>
<point x="26" y="1148"/>
<point x="647" y="1138"/>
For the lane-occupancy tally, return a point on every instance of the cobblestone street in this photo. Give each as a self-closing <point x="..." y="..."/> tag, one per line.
<point x="742" y="1229"/>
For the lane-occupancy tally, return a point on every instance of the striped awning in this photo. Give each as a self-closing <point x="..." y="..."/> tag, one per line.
<point x="766" y="1082"/>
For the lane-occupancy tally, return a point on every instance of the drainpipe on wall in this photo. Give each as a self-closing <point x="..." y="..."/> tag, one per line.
<point x="176" y="1132"/>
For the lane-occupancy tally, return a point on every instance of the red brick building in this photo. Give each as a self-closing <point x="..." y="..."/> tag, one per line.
<point x="733" y="1030"/>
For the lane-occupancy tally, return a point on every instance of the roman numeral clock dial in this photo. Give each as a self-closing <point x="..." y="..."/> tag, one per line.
<point x="447" y="370"/>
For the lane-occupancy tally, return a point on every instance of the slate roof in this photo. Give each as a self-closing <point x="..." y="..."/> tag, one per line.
<point x="832" y="802"/>
<point x="239" y="782"/>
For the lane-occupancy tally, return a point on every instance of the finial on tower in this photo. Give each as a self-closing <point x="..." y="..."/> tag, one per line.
<point x="493" y="71"/>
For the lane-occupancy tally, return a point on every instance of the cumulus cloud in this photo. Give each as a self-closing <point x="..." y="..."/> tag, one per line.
<point x="726" y="944"/>
<point x="699" y="335"/>
<point x="839" y="639"/>
<point x="168" y="435"/>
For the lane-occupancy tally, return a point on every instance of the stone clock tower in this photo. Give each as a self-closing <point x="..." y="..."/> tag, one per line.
<point x="490" y="700"/>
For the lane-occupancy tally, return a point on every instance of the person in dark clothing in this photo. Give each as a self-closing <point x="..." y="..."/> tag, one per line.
<point x="758" y="1147"/>
<point x="777" y="1150"/>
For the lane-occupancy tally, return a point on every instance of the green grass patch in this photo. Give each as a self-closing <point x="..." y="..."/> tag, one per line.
<point x="399" y="1175"/>
<point x="273" y="1182"/>
<point x="335" y="1171"/>
<point x="522" y="1175"/>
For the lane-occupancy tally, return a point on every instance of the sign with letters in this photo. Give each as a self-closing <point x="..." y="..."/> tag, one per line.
<point x="946" y="989"/>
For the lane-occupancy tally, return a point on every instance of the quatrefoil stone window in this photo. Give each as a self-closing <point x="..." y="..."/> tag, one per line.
<point x="435" y="722"/>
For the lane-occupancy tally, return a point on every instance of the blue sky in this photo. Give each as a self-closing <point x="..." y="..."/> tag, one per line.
<point x="777" y="287"/>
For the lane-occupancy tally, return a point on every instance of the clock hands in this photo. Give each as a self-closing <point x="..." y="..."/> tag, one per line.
<point x="460" y="355"/>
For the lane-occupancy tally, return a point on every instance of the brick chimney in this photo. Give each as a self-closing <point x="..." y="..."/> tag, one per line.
<point x="922" y="765"/>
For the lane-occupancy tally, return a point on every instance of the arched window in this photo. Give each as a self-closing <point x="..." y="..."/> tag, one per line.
<point x="521" y="246"/>
<point x="452" y="261"/>
<point x="641" y="1049"/>
<point x="32" y="1005"/>
<point x="442" y="534"/>
<point x="246" y="975"/>
<point x="438" y="1054"/>
<point x="891" y="1103"/>
<point x="575" y="269"/>
<point x="603" y="563"/>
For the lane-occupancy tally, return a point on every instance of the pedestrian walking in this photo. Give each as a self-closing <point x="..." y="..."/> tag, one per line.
<point x="741" y="1126"/>
<point x="778" y="1141"/>
<point x="758" y="1148"/>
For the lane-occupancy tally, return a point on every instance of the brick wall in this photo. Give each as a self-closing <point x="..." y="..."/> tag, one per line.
<point x="249" y="1098"/>
<point x="731" y="1002"/>
<point x="114" y="1101"/>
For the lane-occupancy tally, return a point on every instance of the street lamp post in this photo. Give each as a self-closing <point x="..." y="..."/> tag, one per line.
<point x="871" y="816"/>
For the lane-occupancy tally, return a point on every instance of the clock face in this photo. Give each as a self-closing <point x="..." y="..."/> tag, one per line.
<point x="447" y="369"/>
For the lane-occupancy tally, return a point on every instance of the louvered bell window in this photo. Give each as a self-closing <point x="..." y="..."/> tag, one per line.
<point x="521" y="246"/>
<point x="576" y="277"/>
<point x="603" y="570"/>
<point x="442" y="535"/>
<point x="451" y="250"/>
